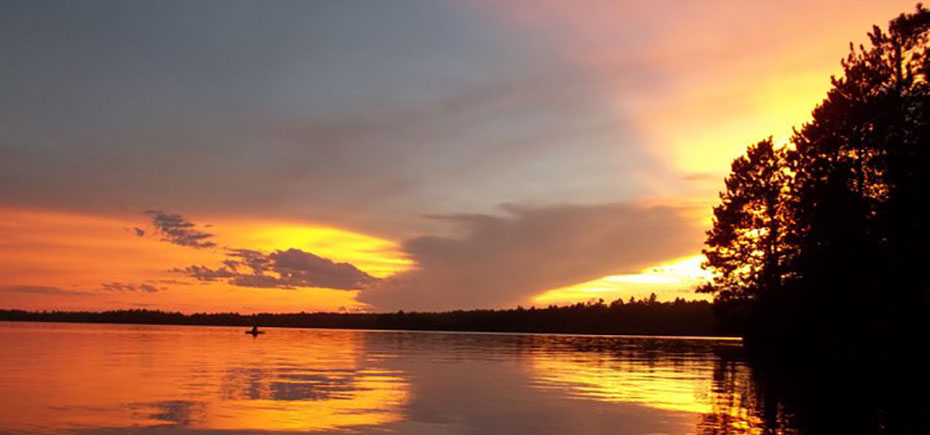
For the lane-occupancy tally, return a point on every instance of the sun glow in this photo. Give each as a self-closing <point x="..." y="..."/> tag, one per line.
<point x="714" y="124"/>
<point x="378" y="257"/>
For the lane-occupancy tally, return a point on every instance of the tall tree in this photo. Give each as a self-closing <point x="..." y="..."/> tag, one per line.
<point x="747" y="246"/>
<point x="861" y="172"/>
<point x="832" y="283"/>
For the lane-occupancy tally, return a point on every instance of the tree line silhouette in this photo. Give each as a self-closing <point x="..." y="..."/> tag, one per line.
<point x="825" y="237"/>
<point x="644" y="316"/>
<point x="818" y="247"/>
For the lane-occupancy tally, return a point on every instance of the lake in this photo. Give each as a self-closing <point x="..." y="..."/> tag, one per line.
<point x="83" y="378"/>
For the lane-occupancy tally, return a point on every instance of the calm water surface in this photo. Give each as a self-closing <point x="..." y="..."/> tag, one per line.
<point x="79" y="378"/>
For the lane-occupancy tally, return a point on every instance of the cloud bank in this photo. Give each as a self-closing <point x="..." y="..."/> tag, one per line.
<point x="505" y="260"/>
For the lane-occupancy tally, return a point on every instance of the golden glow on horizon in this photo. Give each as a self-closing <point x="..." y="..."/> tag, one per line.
<point x="675" y="279"/>
<point x="71" y="256"/>
<point x="66" y="258"/>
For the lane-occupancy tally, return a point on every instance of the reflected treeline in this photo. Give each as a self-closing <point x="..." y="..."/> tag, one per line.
<point x="819" y="247"/>
<point x="828" y="395"/>
<point x="747" y="400"/>
<point x="645" y="316"/>
<point x="733" y="395"/>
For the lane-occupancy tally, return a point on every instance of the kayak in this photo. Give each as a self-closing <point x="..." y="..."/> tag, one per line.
<point x="254" y="332"/>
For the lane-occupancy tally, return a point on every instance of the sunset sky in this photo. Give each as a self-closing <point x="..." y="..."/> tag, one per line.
<point x="372" y="155"/>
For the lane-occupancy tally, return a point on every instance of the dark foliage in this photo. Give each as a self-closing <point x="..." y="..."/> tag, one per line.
<point x="633" y="317"/>
<point x="826" y="394"/>
<point x="820" y="249"/>
<point x="825" y="238"/>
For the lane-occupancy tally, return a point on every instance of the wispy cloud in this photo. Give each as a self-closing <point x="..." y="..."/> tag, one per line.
<point x="174" y="228"/>
<point x="129" y="287"/>
<point x="41" y="290"/>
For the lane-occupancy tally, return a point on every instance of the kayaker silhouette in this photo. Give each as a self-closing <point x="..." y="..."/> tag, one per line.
<point x="254" y="332"/>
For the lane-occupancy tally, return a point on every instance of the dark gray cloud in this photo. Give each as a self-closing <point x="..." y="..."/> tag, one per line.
<point x="306" y="269"/>
<point x="41" y="290"/>
<point x="505" y="260"/>
<point x="281" y="269"/>
<point x="129" y="287"/>
<point x="175" y="229"/>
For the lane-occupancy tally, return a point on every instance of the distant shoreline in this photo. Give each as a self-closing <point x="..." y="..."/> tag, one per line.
<point x="638" y="318"/>
<point x="423" y="331"/>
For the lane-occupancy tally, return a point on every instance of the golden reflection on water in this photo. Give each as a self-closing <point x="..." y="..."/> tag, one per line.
<point x="367" y="402"/>
<point x="719" y="395"/>
<point x="96" y="376"/>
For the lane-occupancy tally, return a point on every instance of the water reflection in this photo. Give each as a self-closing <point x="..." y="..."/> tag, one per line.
<point x="57" y="378"/>
<point x="690" y="376"/>
<point x="680" y="382"/>
<point x="71" y="377"/>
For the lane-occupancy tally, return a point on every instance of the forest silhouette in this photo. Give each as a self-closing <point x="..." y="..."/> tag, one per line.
<point x="818" y="248"/>
<point x="825" y="237"/>
<point x="645" y="316"/>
